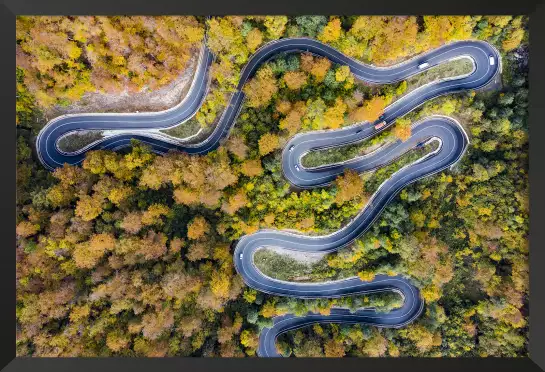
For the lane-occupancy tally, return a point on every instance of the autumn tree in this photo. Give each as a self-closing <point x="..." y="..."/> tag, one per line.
<point x="254" y="39"/>
<point x="26" y="228"/>
<point x="236" y="146"/>
<point x="261" y="89"/>
<point x="295" y="79"/>
<point x="334" y="116"/>
<point x="293" y="120"/>
<point x="319" y="68"/>
<point x="66" y="57"/>
<point x="89" y="207"/>
<point x="332" y="31"/>
<point x="370" y="111"/>
<point x="117" y="340"/>
<point x="268" y="143"/>
<point x="197" y="228"/>
<point x="276" y="25"/>
<point x="375" y="346"/>
<point x="334" y="349"/>
<point x="513" y="40"/>
<point x="156" y="323"/>
<point x="251" y="168"/>
<point x="402" y="129"/>
<point x="235" y="202"/>
<point x="249" y="340"/>
<point x="87" y="254"/>
<point x="349" y="187"/>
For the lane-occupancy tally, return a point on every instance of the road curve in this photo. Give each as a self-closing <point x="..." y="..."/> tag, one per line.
<point x="146" y="126"/>
<point x="452" y="143"/>
<point x="447" y="132"/>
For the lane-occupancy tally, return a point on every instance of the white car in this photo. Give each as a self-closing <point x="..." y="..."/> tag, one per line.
<point x="241" y="256"/>
<point x="492" y="60"/>
<point x="291" y="148"/>
<point x="296" y="167"/>
<point x="423" y="65"/>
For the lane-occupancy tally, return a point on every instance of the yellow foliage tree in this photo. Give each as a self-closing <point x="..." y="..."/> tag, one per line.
<point x="26" y="228"/>
<point x="87" y="254"/>
<point x="276" y="25"/>
<point x="268" y="143"/>
<point x="513" y="39"/>
<point x="295" y="79"/>
<point x="88" y="208"/>
<point x="249" y="340"/>
<point x="342" y="73"/>
<point x="236" y="146"/>
<point x="197" y="228"/>
<point x="293" y="120"/>
<point x="334" y="116"/>
<point x="261" y="89"/>
<point x="331" y="32"/>
<point x="320" y="67"/>
<point x="153" y="214"/>
<point x="187" y="196"/>
<point x="283" y="106"/>
<point x="254" y="39"/>
<point x="251" y="168"/>
<point x="370" y="111"/>
<point x="402" y="129"/>
<point x="349" y="187"/>
<point x="235" y="202"/>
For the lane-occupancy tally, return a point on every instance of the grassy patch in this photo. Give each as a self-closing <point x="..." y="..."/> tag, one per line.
<point x="184" y="130"/>
<point x="344" y="153"/>
<point x="375" y="179"/>
<point x="449" y="69"/>
<point x="283" y="267"/>
<point x="79" y="140"/>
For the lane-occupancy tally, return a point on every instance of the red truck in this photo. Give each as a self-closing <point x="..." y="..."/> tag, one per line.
<point x="380" y="125"/>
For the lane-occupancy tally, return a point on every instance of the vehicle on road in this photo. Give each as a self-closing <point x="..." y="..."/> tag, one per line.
<point x="380" y="125"/>
<point x="413" y="303"/>
<point x="140" y="125"/>
<point x="359" y="131"/>
<point x="291" y="148"/>
<point x="423" y="65"/>
<point x="492" y="60"/>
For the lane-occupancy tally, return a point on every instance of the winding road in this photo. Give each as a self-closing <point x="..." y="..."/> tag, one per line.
<point x="450" y="136"/>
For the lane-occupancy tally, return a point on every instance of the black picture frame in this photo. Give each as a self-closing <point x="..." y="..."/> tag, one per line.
<point x="534" y="8"/>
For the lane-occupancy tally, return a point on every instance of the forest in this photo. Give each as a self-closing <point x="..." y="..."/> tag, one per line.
<point x="130" y="254"/>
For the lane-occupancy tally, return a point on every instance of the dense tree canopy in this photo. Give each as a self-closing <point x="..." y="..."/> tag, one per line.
<point x="130" y="254"/>
<point x="64" y="57"/>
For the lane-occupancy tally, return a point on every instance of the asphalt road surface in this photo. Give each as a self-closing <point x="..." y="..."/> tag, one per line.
<point x="452" y="142"/>
<point x="450" y="136"/>
<point x="145" y="126"/>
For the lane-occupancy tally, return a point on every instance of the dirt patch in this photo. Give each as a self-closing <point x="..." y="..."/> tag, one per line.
<point x="145" y="100"/>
